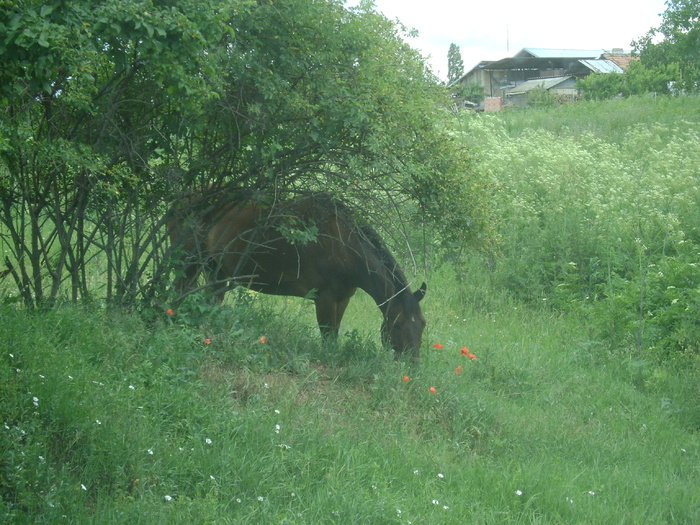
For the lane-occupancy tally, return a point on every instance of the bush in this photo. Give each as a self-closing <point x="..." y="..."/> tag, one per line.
<point x="541" y="98"/>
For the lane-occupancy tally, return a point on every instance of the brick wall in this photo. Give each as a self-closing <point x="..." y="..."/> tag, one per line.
<point x="493" y="103"/>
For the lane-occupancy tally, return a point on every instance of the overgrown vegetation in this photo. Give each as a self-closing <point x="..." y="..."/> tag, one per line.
<point x="196" y="419"/>
<point x="598" y="213"/>
<point x="240" y="415"/>
<point x="561" y="366"/>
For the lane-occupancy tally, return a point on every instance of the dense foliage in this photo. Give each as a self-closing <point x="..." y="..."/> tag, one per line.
<point x="638" y="79"/>
<point x="598" y="210"/>
<point x="675" y="45"/>
<point x="112" y="110"/>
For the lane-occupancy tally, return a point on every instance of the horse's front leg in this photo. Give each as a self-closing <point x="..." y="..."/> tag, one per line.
<point x="329" y="314"/>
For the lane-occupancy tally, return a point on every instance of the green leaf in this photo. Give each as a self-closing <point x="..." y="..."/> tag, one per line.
<point x="42" y="41"/>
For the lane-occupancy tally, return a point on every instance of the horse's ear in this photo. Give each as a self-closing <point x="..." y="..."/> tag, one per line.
<point x="420" y="293"/>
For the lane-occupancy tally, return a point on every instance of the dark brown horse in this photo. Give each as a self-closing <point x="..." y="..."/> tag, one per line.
<point x="306" y="247"/>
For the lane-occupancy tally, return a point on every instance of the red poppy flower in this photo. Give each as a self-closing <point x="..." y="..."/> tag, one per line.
<point x="465" y="350"/>
<point x="263" y="339"/>
<point x="406" y="379"/>
<point x="432" y="389"/>
<point x="169" y="311"/>
<point x="471" y="356"/>
<point x="458" y="370"/>
<point x="438" y="346"/>
<point x="207" y="341"/>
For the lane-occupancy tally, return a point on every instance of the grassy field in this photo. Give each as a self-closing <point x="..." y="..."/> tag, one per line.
<point x="109" y="420"/>
<point x="241" y="415"/>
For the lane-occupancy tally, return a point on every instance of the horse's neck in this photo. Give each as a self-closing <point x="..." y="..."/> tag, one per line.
<point x="383" y="289"/>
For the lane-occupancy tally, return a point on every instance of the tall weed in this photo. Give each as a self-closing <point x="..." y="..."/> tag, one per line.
<point x="588" y="211"/>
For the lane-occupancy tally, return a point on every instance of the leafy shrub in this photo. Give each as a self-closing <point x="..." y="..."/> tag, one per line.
<point x="541" y="98"/>
<point x="600" y="86"/>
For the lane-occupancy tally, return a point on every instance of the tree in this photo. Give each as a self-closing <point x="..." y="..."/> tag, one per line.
<point x="455" y="65"/>
<point x="601" y="86"/>
<point x="115" y="109"/>
<point x="669" y="58"/>
<point x="678" y="45"/>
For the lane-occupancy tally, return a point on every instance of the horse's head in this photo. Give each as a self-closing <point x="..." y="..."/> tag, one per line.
<point x="404" y="323"/>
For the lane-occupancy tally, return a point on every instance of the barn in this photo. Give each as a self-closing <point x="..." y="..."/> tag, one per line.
<point x="510" y="80"/>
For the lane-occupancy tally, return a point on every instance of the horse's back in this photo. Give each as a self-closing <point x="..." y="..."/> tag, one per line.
<point x="248" y="242"/>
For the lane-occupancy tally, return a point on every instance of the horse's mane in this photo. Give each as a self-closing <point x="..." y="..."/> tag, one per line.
<point x="384" y="255"/>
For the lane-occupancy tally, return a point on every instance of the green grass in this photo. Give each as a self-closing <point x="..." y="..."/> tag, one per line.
<point x="146" y="423"/>
<point x="608" y="120"/>
<point x="112" y="417"/>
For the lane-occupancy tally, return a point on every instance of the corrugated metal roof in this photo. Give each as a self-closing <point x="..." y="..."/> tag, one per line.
<point x="529" y="85"/>
<point x="602" y="66"/>
<point x="561" y="53"/>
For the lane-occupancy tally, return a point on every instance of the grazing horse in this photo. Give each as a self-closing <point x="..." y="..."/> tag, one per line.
<point x="306" y="247"/>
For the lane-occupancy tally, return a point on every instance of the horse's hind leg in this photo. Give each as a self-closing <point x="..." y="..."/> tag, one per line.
<point x="219" y="286"/>
<point x="187" y="280"/>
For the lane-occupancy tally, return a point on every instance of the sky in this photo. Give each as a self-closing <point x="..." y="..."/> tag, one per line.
<point x="486" y="30"/>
